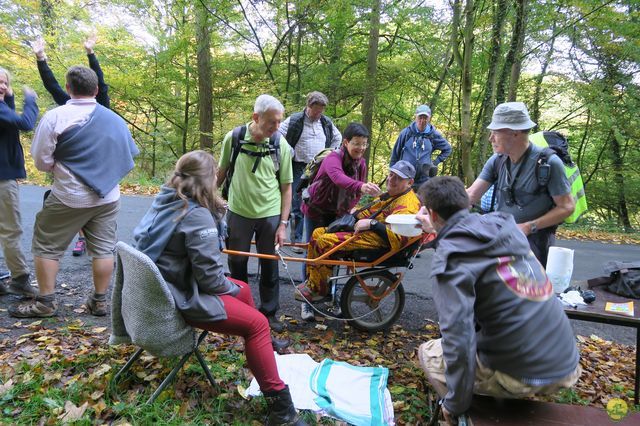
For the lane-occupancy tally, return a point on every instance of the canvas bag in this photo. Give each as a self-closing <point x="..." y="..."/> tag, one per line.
<point x="623" y="279"/>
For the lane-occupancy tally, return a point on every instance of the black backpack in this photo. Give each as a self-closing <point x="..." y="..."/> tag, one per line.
<point x="623" y="279"/>
<point x="237" y="142"/>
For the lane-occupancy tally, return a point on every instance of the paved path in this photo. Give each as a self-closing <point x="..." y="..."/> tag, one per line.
<point x="589" y="258"/>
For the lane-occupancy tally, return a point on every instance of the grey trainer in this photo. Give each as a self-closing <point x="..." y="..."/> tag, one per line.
<point x="22" y="286"/>
<point x="33" y="309"/>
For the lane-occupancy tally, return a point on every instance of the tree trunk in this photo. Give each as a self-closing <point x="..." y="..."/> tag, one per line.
<point x="205" y="88"/>
<point x="298" y="95"/>
<point x="466" y="141"/>
<point x="510" y="59"/>
<point x="535" y="109"/>
<point x="187" y="95"/>
<point x="369" y="96"/>
<point x="48" y="17"/>
<point x="488" y="102"/>
<point x="618" y="177"/>
<point x="519" y="31"/>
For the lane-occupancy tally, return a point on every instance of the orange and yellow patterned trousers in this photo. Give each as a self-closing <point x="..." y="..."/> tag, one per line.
<point x="321" y="242"/>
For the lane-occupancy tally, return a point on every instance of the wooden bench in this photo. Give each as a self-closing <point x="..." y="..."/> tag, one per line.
<point x="487" y="410"/>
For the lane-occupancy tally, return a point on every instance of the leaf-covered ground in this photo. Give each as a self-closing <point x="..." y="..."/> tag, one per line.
<point x="52" y="376"/>
<point x="582" y="234"/>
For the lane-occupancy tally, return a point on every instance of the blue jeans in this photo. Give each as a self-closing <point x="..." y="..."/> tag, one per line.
<point x="298" y="222"/>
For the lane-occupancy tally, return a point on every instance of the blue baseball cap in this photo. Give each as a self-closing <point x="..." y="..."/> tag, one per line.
<point x="404" y="169"/>
<point x="423" y="110"/>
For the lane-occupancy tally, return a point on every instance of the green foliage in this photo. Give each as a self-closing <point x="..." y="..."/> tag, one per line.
<point x="580" y="66"/>
<point x="570" y="396"/>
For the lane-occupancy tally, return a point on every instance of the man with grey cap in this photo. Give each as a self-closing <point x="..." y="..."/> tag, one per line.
<point x="308" y="132"/>
<point x="417" y="143"/>
<point x="513" y="169"/>
<point x="371" y="224"/>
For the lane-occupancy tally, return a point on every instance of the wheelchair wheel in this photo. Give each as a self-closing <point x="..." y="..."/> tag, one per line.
<point x="376" y="314"/>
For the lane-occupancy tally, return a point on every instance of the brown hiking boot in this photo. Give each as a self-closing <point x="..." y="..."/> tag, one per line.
<point x="33" y="309"/>
<point x="22" y="286"/>
<point x="98" y="308"/>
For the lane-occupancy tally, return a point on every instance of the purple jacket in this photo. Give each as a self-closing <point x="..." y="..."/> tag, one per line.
<point x="336" y="188"/>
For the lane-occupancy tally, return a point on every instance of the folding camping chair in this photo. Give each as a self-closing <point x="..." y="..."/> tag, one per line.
<point x="143" y="312"/>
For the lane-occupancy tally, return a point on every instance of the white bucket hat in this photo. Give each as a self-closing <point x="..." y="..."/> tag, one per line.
<point x="511" y="115"/>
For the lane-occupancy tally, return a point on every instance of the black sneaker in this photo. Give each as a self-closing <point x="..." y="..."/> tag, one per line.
<point x="4" y="274"/>
<point x="279" y="345"/>
<point x="275" y="324"/>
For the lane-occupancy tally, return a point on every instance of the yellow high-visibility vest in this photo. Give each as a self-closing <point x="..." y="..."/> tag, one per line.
<point x="574" y="177"/>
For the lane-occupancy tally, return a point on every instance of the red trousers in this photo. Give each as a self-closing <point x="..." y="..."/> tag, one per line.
<point x="243" y="319"/>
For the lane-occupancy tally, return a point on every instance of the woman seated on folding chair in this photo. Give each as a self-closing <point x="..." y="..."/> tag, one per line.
<point x="399" y="199"/>
<point x="182" y="234"/>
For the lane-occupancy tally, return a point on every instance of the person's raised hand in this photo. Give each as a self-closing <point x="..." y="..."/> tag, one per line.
<point x="28" y="91"/>
<point x="38" y="48"/>
<point x="425" y="220"/>
<point x="90" y="43"/>
<point x="370" y="188"/>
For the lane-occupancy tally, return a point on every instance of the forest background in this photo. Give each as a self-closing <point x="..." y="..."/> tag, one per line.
<point x="183" y="73"/>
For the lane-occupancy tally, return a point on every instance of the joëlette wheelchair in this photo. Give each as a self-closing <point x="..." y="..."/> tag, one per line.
<point x="366" y="285"/>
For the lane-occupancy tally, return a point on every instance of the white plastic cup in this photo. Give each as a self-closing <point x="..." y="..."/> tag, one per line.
<point x="560" y="267"/>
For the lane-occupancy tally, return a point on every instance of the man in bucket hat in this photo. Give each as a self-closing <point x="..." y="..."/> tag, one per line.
<point x="417" y="143"/>
<point x="513" y="169"/>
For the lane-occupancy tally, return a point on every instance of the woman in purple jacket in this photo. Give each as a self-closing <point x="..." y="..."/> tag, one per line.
<point x="338" y="186"/>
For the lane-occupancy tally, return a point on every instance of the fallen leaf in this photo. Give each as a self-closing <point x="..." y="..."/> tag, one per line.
<point x="72" y="412"/>
<point x="6" y="386"/>
<point x="99" y="407"/>
<point x="97" y="395"/>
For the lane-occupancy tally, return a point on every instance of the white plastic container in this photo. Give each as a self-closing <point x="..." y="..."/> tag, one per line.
<point x="404" y="224"/>
<point x="560" y="267"/>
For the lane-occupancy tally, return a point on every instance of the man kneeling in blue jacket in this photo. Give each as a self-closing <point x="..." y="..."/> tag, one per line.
<point x="504" y="333"/>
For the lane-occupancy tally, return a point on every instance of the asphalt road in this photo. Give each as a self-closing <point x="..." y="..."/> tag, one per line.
<point x="419" y="310"/>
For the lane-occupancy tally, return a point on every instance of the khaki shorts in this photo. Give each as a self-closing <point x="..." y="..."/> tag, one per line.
<point x="488" y="381"/>
<point x="57" y="224"/>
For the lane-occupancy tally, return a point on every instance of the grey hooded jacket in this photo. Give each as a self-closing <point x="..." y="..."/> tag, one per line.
<point x="187" y="252"/>
<point x="487" y="279"/>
